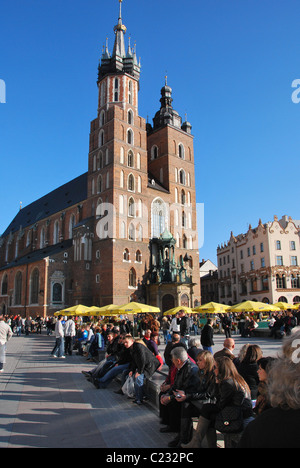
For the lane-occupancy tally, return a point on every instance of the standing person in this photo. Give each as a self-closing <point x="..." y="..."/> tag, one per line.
<point x="59" y="348"/>
<point x="5" y="335"/>
<point x="207" y="336"/>
<point x="18" y="325"/>
<point x="165" y="326"/>
<point x="195" y="325"/>
<point x="70" y="333"/>
<point x="28" y="323"/>
<point x="175" y="324"/>
<point x="184" y="327"/>
<point x="226" y="325"/>
<point x="39" y="325"/>
<point x="290" y="322"/>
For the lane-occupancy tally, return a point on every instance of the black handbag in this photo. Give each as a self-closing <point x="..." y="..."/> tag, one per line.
<point x="230" y="420"/>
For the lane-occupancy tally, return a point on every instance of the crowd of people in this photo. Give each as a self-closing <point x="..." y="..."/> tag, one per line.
<point x="226" y="392"/>
<point x="254" y="400"/>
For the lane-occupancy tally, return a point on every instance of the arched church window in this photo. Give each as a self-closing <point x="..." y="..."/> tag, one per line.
<point x="56" y="233"/>
<point x="182" y="179"/>
<point x="126" y="255"/>
<point x="158" y="217"/>
<point x="71" y="225"/>
<point x="131" y="182"/>
<point x="101" y="138"/>
<point x="4" y="286"/>
<point x="42" y="238"/>
<point x="116" y="90"/>
<point x="132" y="278"/>
<point x="99" y="184"/>
<point x="130" y="92"/>
<point x="138" y="256"/>
<point x="154" y="152"/>
<point x="57" y="292"/>
<point x="130" y="137"/>
<point x="130" y="160"/>
<point x="131" y="232"/>
<point x="130" y="117"/>
<point x="34" y="286"/>
<point x="131" y="207"/>
<point x="181" y="151"/>
<point x="18" y="288"/>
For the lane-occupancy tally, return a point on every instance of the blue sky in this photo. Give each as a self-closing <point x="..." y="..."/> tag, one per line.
<point x="230" y="63"/>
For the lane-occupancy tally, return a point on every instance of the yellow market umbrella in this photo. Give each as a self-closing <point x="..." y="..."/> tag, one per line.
<point x="285" y="305"/>
<point x="253" y="306"/>
<point x="212" y="308"/>
<point x="74" y="310"/>
<point x="174" y="311"/>
<point x="104" y="310"/>
<point x="136" y="308"/>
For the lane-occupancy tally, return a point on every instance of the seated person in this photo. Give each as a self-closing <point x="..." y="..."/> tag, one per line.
<point x="121" y="366"/>
<point x="110" y="358"/>
<point x="186" y="382"/>
<point x="143" y="365"/>
<point x="194" y="347"/>
<point x="97" y="345"/>
<point x="193" y="403"/>
<point x="228" y="348"/>
<point x="232" y="390"/>
<point x="151" y="341"/>
<point x="175" y="341"/>
<point x="81" y="338"/>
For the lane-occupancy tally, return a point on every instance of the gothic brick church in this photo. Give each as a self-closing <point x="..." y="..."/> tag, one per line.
<point x="124" y="230"/>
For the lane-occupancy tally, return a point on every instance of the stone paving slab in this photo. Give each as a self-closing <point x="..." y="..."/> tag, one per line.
<point x="47" y="403"/>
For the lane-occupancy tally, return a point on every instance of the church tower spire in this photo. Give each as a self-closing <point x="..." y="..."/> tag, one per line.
<point x="120" y="31"/>
<point x="119" y="61"/>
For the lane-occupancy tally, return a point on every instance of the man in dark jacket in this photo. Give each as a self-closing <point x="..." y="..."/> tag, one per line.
<point x="184" y="327"/>
<point x="207" y="336"/>
<point x="226" y="325"/>
<point x="142" y="366"/>
<point x="170" y="346"/>
<point x="289" y="322"/>
<point x="186" y="382"/>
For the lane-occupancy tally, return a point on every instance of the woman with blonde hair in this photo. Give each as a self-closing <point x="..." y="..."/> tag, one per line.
<point x="191" y="404"/>
<point x="279" y="426"/>
<point x="233" y="391"/>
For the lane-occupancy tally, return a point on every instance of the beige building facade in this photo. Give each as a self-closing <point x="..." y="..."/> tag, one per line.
<point x="261" y="264"/>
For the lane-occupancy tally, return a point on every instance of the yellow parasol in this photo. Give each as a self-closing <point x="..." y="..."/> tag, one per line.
<point x="74" y="310"/>
<point x="212" y="308"/>
<point x="174" y="311"/>
<point x="253" y="306"/>
<point x="136" y="308"/>
<point x="286" y="306"/>
<point x="104" y="310"/>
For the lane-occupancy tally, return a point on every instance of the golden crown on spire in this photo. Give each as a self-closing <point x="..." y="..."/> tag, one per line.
<point x="120" y="26"/>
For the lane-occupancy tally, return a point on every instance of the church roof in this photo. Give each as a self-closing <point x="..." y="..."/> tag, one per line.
<point x="40" y="254"/>
<point x="58" y="200"/>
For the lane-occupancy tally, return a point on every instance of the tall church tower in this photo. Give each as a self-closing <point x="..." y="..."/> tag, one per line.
<point x="117" y="176"/>
<point x="140" y="186"/>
